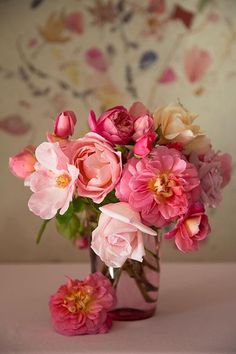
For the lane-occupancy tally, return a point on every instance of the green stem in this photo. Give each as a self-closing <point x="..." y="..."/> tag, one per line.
<point x="41" y="230"/>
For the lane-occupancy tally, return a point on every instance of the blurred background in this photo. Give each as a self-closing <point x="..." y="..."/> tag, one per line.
<point x="82" y="54"/>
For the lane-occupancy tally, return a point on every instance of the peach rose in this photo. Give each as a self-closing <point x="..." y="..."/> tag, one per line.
<point x="176" y="124"/>
<point x="119" y="235"/>
<point x="99" y="165"/>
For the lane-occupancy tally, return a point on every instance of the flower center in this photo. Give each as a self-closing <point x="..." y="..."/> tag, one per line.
<point x="162" y="185"/>
<point x="78" y="300"/>
<point x="63" y="180"/>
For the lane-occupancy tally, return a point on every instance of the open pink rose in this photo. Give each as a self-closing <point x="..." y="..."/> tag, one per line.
<point x="190" y="229"/>
<point x="144" y="144"/>
<point x="52" y="183"/>
<point x="119" y="235"/>
<point x="22" y="164"/>
<point x="100" y="166"/>
<point x="81" y="307"/>
<point x="64" y="124"/>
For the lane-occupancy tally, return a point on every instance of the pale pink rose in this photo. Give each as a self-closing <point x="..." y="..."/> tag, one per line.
<point x="64" y="124"/>
<point x="196" y="63"/>
<point x="116" y="125"/>
<point x="214" y="171"/>
<point x="81" y="307"/>
<point x="159" y="186"/>
<point x="100" y="166"/>
<point x="52" y="183"/>
<point x="190" y="229"/>
<point x="119" y="235"/>
<point x="143" y="120"/>
<point x="74" y="22"/>
<point x="22" y="164"/>
<point x="144" y="144"/>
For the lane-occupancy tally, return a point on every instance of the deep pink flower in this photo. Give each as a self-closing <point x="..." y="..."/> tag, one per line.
<point x="120" y="126"/>
<point x="144" y="144"/>
<point x="160" y="187"/>
<point x="214" y="172"/>
<point x="80" y="307"/>
<point x="22" y="164"/>
<point x="119" y="235"/>
<point x="64" y="124"/>
<point x="99" y="165"/>
<point x="190" y="229"/>
<point x="52" y="183"/>
<point x="116" y="125"/>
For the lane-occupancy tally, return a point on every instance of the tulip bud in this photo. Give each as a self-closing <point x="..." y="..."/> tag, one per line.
<point x="22" y="164"/>
<point x="64" y="124"/>
<point x="144" y="144"/>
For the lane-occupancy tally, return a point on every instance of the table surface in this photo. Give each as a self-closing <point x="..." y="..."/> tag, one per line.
<point x="196" y="314"/>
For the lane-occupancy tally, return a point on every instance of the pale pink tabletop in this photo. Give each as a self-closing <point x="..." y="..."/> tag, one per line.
<point x="197" y="313"/>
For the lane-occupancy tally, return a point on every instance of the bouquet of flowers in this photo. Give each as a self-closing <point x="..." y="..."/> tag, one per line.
<point x="135" y="173"/>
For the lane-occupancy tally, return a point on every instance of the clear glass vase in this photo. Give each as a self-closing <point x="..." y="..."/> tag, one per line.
<point x="136" y="283"/>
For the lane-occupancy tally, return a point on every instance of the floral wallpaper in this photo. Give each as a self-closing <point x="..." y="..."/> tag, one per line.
<point x="83" y="54"/>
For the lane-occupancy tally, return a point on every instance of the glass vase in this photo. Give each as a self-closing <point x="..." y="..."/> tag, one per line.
<point x="136" y="283"/>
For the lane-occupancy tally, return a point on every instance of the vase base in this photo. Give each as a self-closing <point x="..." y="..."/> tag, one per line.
<point x="129" y="314"/>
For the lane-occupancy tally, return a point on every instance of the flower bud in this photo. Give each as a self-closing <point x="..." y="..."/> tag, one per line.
<point x="22" y="164"/>
<point x="144" y="144"/>
<point x="64" y="124"/>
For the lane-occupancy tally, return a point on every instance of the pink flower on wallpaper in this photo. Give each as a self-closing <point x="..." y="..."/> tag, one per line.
<point x="157" y="6"/>
<point x="14" y="124"/>
<point x="196" y="63"/>
<point x="75" y="22"/>
<point x="80" y="307"/>
<point x="168" y="76"/>
<point x="96" y="58"/>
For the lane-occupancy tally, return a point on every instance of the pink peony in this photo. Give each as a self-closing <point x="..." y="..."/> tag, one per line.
<point x="119" y="235"/>
<point x="80" y="307"/>
<point x="214" y="172"/>
<point x="22" y="164"/>
<point x="190" y="229"/>
<point x="160" y="186"/>
<point x="100" y="166"/>
<point x="53" y="181"/>
<point x="144" y="145"/>
<point x="64" y="124"/>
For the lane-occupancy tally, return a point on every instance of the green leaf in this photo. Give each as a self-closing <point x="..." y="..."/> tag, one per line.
<point x="41" y="230"/>
<point x="110" y="198"/>
<point x="78" y="204"/>
<point x="62" y="219"/>
<point x="69" y="229"/>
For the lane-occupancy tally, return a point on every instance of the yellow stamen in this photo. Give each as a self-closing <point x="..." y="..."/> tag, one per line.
<point x="162" y="185"/>
<point x="63" y="180"/>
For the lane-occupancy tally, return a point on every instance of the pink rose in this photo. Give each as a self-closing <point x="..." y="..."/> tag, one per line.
<point x="52" y="183"/>
<point x="81" y="307"/>
<point x="115" y="124"/>
<point x="143" y="121"/>
<point x="64" y="124"/>
<point x="119" y="235"/>
<point x="100" y="166"/>
<point x="144" y="144"/>
<point x="22" y="164"/>
<point x="190" y="229"/>
<point x="214" y="172"/>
